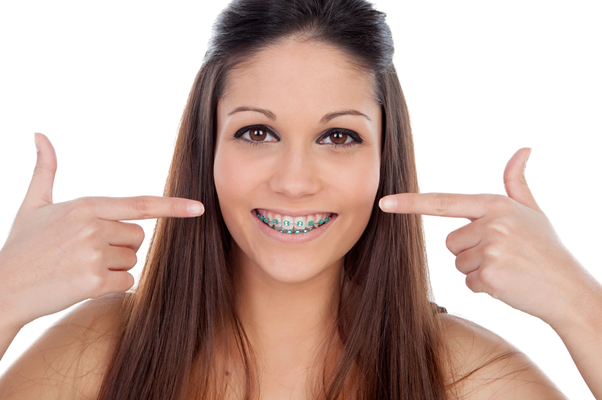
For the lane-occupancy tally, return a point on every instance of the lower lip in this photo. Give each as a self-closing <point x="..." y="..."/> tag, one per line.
<point x="292" y="238"/>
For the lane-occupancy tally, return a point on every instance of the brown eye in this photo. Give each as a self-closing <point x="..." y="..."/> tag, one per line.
<point x="257" y="134"/>
<point x="338" y="137"/>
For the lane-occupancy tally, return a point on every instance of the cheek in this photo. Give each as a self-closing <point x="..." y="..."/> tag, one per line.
<point x="231" y="181"/>
<point x="356" y="189"/>
<point x="359" y="185"/>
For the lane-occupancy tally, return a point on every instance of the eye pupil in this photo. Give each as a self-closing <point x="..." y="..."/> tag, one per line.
<point x="257" y="136"/>
<point x="336" y="137"/>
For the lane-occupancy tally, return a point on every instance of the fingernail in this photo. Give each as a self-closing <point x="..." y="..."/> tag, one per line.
<point x="388" y="203"/>
<point x="195" y="209"/>
<point x="35" y="137"/>
<point x="528" y="155"/>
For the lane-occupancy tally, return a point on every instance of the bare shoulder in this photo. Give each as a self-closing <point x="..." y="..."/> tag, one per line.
<point x="69" y="360"/>
<point x="488" y="367"/>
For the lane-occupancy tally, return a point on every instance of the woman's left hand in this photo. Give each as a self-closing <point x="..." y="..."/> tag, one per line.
<point x="510" y="249"/>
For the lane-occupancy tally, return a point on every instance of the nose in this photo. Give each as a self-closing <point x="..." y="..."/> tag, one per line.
<point x="296" y="174"/>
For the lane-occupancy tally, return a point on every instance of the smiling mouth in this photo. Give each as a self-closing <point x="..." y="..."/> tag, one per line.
<point x="292" y="225"/>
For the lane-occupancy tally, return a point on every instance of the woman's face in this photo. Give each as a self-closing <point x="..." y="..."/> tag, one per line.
<point x="285" y="164"/>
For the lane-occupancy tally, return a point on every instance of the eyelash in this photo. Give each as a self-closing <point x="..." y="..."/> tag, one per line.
<point x="353" y="135"/>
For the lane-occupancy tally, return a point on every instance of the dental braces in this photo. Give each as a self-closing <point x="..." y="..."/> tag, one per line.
<point x="266" y="220"/>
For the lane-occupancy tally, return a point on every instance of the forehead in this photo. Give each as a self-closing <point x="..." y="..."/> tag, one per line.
<point x="292" y="76"/>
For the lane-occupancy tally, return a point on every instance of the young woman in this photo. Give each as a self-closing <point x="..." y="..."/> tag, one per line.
<point x="296" y="279"/>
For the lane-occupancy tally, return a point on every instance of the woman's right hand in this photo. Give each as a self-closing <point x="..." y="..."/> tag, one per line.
<point x="58" y="255"/>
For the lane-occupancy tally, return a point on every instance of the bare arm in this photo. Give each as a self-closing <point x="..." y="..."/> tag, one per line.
<point x="582" y="336"/>
<point x="7" y="335"/>
<point x="8" y="327"/>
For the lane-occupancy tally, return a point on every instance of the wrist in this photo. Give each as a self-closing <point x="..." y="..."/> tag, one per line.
<point x="8" y="322"/>
<point x="7" y="327"/>
<point x="583" y="312"/>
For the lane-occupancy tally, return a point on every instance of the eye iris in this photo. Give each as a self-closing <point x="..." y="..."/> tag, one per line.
<point x="257" y="136"/>
<point x="338" y="136"/>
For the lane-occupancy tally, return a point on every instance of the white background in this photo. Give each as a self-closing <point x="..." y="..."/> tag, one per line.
<point x="107" y="83"/>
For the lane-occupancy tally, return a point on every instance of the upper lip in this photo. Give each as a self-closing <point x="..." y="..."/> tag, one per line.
<point x="298" y="213"/>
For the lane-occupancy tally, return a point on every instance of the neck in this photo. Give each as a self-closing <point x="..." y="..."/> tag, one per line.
<point x="287" y="323"/>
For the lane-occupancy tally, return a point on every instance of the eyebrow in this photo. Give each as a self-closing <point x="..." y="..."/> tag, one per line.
<point x="324" y="119"/>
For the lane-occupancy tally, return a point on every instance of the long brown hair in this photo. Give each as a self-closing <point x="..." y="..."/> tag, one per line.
<point x="185" y="302"/>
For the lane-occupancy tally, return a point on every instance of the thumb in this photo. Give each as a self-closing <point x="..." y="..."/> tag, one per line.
<point x="515" y="182"/>
<point x="40" y="188"/>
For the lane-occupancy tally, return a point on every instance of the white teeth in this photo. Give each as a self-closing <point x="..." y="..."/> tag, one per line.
<point x="301" y="223"/>
<point x="286" y="224"/>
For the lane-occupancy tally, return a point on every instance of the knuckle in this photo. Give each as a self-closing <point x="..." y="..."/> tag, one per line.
<point x="472" y="282"/>
<point x="176" y="208"/>
<point x="459" y="262"/>
<point x="139" y="232"/>
<point x="90" y="231"/>
<point x="498" y="229"/>
<point x="81" y="201"/>
<point x="81" y="206"/>
<point x="42" y="168"/>
<point x="142" y="206"/>
<point x="449" y="241"/>
<point x="443" y="201"/>
<point x="133" y="259"/>
<point x="490" y="252"/>
<point x="128" y="282"/>
<point x="84" y="202"/>
<point x="95" y="284"/>
<point x="509" y="223"/>
<point x="74" y="207"/>
<point x="488" y="275"/>
<point x="95" y="256"/>
<point x="500" y="202"/>
<point x="39" y="169"/>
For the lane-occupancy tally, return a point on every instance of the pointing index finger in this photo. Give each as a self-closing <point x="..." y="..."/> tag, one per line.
<point x="142" y="207"/>
<point x="471" y="206"/>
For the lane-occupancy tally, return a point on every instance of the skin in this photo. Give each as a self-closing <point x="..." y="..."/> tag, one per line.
<point x="511" y="251"/>
<point x="288" y="291"/>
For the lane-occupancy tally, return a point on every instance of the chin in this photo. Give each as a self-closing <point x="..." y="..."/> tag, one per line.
<point x="291" y="271"/>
